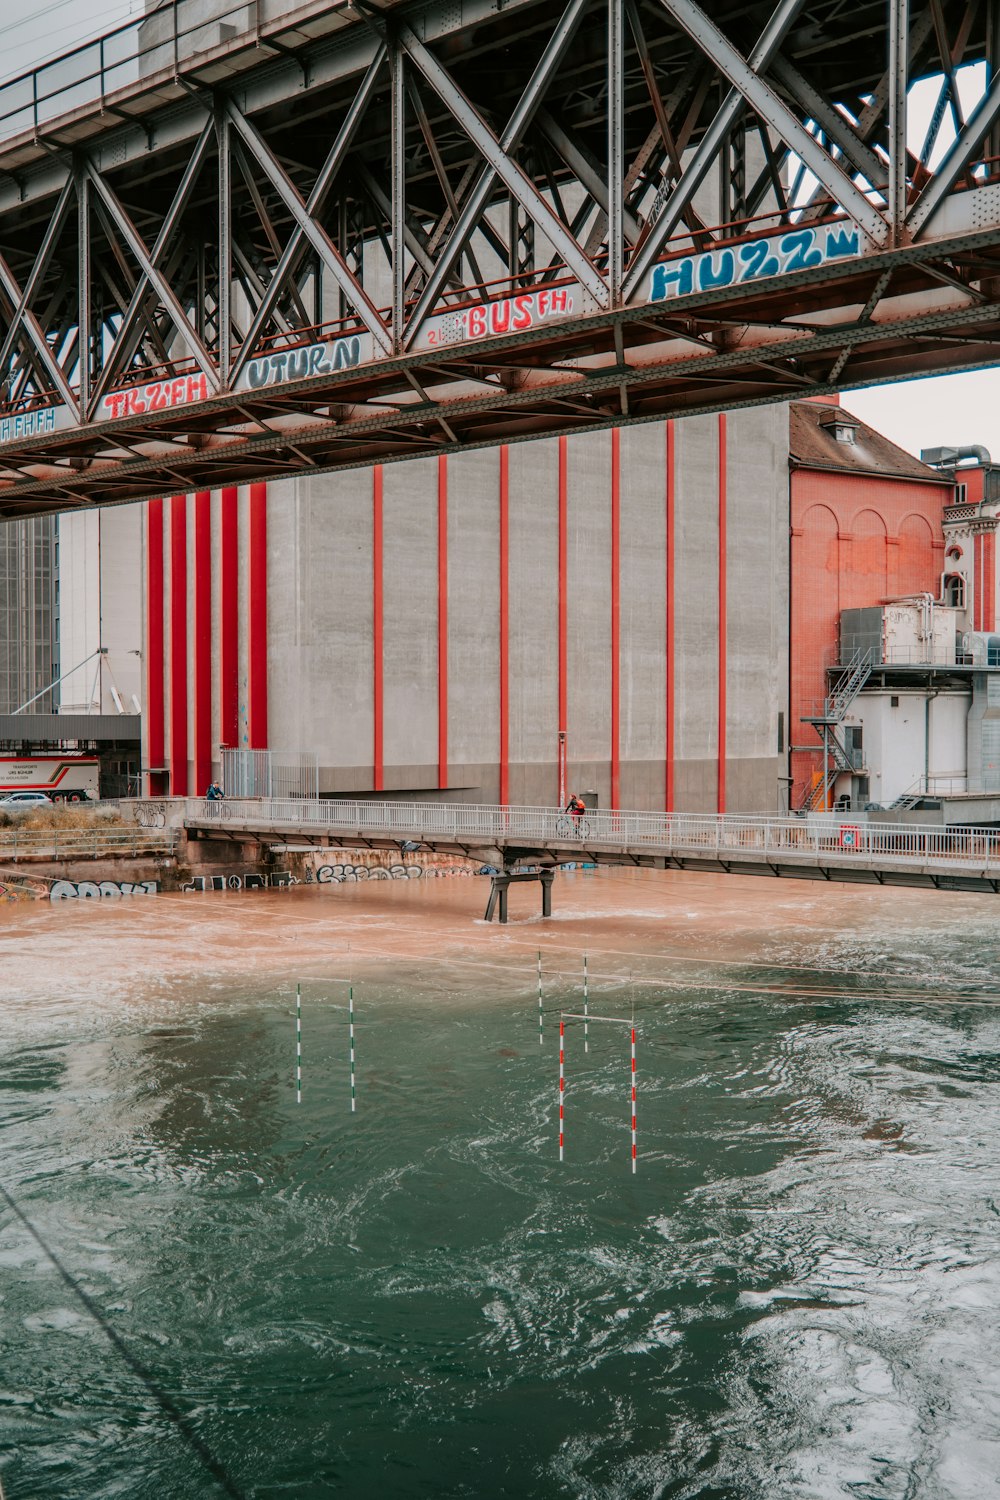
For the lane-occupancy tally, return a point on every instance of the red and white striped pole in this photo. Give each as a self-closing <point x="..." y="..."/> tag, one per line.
<point x="633" y="1098"/>
<point x="562" y="1081"/>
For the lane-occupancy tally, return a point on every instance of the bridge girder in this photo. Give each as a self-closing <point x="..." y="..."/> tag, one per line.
<point x="381" y="231"/>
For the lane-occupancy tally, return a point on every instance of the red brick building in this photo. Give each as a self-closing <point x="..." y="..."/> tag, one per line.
<point x="865" y="527"/>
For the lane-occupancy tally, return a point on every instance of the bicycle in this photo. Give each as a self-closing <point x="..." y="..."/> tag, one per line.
<point x="568" y="827"/>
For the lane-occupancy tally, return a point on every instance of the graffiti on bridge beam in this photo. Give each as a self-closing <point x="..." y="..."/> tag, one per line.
<point x="99" y="890"/>
<point x="756" y="260"/>
<point x="734" y="265"/>
<point x="304" y="362"/>
<point x="506" y="315"/>
<point x="28" y="424"/>
<point x="158" y="395"/>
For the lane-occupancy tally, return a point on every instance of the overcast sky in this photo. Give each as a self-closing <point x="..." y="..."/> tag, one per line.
<point x="955" y="409"/>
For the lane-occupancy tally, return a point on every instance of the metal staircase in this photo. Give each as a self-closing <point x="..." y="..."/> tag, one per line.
<point x="836" y="758"/>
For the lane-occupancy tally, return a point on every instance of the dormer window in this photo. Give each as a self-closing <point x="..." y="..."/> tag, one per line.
<point x="841" y="427"/>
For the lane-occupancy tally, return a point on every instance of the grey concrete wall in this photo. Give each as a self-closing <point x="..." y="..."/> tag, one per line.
<point x="534" y="622"/>
<point x="695" y="611"/>
<point x="643" y="616"/>
<point x="588" y="581"/>
<point x="320" y="611"/>
<point x="410" y="616"/>
<point x="321" y="640"/>
<point x="758" y="593"/>
<point x="474" y="623"/>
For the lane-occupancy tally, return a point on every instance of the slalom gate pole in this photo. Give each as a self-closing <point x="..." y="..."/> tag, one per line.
<point x="569" y="1015"/>
<point x="562" y="1082"/>
<point x="541" y="1019"/>
<point x="350" y="1012"/>
<point x="586" y="1008"/>
<point x="633" y="1095"/>
<point x="298" y="1044"/>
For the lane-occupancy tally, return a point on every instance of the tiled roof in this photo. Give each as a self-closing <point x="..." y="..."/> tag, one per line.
<point x="811" y="446"/>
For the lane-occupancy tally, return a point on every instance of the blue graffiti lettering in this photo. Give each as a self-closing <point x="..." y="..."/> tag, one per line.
<point x="756" y="261"/>
<point x="710" y="275"/>
<point x="306" y="362"/>
<point x="841" y="243"/>
<point x="347" y="353"/>
<point x="675" y="279"/>
<point x="799" y="248"/>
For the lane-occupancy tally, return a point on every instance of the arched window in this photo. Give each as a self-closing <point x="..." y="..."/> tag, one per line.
<point x="954" y="591"/>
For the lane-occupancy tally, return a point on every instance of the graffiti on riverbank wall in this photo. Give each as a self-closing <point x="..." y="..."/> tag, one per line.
<point x="23" y="888"/>
<point x="99" y="890"/>
<point x="345" y="872"/>
<point x="250" y="880"/>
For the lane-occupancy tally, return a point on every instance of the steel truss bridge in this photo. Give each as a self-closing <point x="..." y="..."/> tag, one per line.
<point x="241" y="241"/>
<point x="802" y="848"/>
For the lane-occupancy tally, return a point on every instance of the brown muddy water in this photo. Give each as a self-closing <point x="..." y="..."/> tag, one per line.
<point x="206" y="1288"/>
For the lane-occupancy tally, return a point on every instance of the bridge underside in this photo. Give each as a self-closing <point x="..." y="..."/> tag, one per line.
<point x="362" y="233"/>
<point x="515" y="854"/>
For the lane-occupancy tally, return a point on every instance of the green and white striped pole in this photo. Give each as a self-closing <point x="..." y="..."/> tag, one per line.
<point x="298" y="1044"/>
<point x="541" y="1020"/>
<point x="586" y="1007"/>
<point x="350" y="1011"/>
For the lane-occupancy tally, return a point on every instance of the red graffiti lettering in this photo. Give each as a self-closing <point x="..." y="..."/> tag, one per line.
<point x="476" y="324"/>
<point x="197" y="387"/>
<point x="500" y="316"/>
<point x="560" y="302"/>
<point x="522" y="311"/>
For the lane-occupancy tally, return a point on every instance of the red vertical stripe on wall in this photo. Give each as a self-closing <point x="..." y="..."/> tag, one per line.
<point x="377" y="753"/>
<point x="155" y="745"/>
<point x="977" y="582"/>
<point x="616" y="509"/>
<point x="563" y="601"/>
<point x="202" y="641"/>
<point x="989" y="580"/>
<point x="442" y="621"/>
<point x="257" y="620"/>
<point x="178" y="648"/>
<point x="723" y="602"/>
<point x="669" y="655"/>
<point x="229" y="619"/>
<point x="504" y="627"/>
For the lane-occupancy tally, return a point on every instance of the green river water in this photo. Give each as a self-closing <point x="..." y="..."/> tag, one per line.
<point x="207" y="1289"/>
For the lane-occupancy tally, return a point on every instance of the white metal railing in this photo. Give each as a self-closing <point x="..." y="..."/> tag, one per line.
<point x="165" y="38"/>
<point x="84" y="843"/>
<point x="809" y="839"/>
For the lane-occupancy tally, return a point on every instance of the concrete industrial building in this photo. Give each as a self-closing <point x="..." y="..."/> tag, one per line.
<point x="606" y="613"/>
<point x="865" y="529"/>
<point x="28" y="613"/>
<point x="895" y="598"/>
